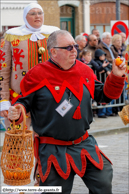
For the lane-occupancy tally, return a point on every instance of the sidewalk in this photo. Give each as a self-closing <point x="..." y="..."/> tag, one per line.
<point x="112" y="124"/>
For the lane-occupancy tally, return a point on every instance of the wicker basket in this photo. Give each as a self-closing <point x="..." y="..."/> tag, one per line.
<point x="17" y="155"/>
<point x="124" y="114"/>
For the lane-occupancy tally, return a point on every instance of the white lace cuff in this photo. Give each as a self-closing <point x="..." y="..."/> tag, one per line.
<point x="4" y="105"/>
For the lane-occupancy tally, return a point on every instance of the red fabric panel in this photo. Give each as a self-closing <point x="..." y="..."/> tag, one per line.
<point x="70" y="163"/>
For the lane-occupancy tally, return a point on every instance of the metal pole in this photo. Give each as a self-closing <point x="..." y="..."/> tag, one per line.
<point x="117" y="9"/>
<point x="86" y="16"/>
<point x="84" y="22"/>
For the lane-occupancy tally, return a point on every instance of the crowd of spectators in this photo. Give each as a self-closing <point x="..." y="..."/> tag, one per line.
<point x="99" y="53"/>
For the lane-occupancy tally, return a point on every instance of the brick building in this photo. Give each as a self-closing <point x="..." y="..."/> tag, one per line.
<point x="69" y="15"/>
<point x="83" y="15"/>
<point x="76" y="16"/>
<point x="102" y="12"/>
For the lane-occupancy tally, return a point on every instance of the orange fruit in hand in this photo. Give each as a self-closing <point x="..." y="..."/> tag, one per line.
<point x="118" y="61"/>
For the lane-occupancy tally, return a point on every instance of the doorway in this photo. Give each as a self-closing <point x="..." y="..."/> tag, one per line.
<point x="67" y="19"/>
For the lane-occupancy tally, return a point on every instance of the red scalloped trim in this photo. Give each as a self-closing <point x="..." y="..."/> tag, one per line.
<point x="69" y="160"/>
<point x="84" y="164"/>
<point x="52" y="159"/>
<point x="31" y="82"/>
<point x="105" y="157"/>
<point x="58" y="96"/>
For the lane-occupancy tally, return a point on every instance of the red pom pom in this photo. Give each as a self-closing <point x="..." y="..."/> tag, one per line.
<point x="77" y="113"/>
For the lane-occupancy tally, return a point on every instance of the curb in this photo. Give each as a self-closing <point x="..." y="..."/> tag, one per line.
<point x="109" y="131"/>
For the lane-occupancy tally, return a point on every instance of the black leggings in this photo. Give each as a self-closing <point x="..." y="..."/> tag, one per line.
<point x="97" y="181"/>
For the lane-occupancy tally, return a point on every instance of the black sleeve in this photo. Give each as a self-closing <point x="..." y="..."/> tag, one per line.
<point x="26" y="101"/>
<point x="96" y="66"/>
<point x="99" y="95"/>
<point x="108" y="67"/>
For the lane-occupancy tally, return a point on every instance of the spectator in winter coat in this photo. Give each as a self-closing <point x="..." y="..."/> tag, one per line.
<point x="124" y="46"/>
<point x="81" y="41"/>
<point x="92" y="43"/>
<point x="105" y="46"/>
<point x="100" y="58"/>
<point x="96" y="33"/>
<point x="85" y="56"/>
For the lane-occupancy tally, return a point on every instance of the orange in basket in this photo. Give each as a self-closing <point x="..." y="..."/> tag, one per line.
<point x="7" y="174"/>
<point x="17" y="155"/>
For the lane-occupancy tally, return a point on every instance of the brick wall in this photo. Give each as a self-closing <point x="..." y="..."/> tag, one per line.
<point x="51" y="12"/>
<point x="102" y="13"/>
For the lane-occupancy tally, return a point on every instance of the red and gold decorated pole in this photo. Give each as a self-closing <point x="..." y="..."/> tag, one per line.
<point x="127" y="70"/>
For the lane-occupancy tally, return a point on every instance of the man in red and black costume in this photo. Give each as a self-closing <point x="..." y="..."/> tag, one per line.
<point x="58" y="95"/>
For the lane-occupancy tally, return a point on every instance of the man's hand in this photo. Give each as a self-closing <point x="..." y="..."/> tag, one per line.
<point x="119" y="70"/>
<point x="4" y="113"/>
<point x="14" y="113"/>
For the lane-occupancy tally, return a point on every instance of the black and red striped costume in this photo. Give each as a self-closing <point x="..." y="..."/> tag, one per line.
<point x="40" y="97"/>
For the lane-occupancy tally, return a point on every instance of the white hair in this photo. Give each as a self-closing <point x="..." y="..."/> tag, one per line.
<point x="79" y="37"/>
<point x="105" y="34"/>
<point x="52" y="39"/>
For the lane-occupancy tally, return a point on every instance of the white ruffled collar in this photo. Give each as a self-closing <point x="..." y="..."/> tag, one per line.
<point x="23" y="30"/>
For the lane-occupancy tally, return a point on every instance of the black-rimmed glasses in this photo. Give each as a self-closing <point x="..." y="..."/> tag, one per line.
<point x="69" y="48"/>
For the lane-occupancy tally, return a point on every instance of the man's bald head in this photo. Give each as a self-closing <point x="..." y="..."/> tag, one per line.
<point x="92" y="40"/>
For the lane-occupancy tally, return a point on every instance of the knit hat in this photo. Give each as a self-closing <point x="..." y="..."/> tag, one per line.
<point x="99" y="53"/>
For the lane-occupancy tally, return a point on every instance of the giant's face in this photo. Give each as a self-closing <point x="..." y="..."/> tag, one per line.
<point x="35" y="17"/>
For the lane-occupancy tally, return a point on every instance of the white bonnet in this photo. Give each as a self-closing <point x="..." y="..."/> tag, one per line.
<point x="26" y="10"/>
